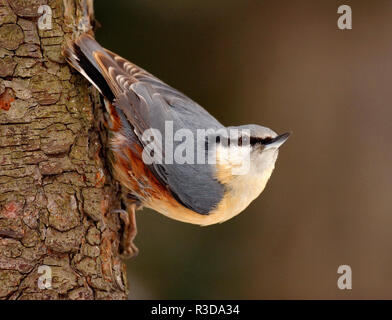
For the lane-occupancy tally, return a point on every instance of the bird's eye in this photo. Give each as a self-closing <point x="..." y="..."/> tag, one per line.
<point x="266" y="140"/>
<point x="243" y="140"/>
<point x="257" y="140"/>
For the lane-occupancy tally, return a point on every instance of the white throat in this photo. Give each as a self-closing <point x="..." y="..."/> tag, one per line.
<point x="243" y="188"/>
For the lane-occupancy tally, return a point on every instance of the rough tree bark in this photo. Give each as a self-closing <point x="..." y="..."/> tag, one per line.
<point x="55" y="190"/>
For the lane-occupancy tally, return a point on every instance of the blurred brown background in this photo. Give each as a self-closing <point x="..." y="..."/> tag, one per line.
<point x="286" y="65"/>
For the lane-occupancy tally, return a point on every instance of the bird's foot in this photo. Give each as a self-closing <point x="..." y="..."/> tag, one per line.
<point x="127" y="248"/>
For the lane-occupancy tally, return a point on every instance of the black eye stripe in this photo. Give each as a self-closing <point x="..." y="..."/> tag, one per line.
<point x="241" y="140"/>
<point x="261" y="140"/>
<point x="254" y="140"/>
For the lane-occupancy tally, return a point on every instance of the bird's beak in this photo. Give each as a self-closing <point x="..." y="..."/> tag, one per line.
<point x="277" y="141"/>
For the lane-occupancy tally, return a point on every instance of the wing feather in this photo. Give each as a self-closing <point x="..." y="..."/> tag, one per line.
<point x="146" y="102"/>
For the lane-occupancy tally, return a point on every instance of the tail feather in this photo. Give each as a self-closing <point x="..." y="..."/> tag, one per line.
<point x="81" y="55"/>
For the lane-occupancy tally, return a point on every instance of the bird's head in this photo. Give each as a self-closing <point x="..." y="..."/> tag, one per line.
<point x="244" y="163"/>
<point x="249" y="149"/>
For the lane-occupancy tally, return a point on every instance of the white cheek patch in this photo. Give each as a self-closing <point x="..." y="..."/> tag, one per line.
<point x="237" y="158"/>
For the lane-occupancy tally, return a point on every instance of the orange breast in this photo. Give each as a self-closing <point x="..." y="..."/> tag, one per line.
<point x="133" y="173"/>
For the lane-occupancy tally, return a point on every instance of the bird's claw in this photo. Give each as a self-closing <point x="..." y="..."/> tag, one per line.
<point x="127" y="248"/>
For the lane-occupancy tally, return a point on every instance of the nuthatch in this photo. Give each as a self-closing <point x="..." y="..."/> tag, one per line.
<point x="201" y="193"/>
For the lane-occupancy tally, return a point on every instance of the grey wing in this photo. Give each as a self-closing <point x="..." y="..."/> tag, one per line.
<point x="149" y="103"/>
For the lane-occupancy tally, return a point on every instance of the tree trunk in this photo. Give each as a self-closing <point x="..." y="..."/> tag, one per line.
<point x="58" y="239"/>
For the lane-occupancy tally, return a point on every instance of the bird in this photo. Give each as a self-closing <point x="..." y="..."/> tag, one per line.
<point x="202" y="193"/>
